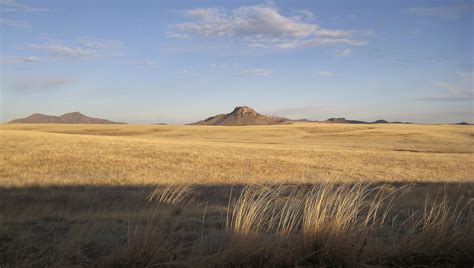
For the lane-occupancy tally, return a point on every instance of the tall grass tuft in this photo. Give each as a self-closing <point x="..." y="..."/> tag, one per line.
<point x="309" y="223"/>
<point x="442" y="232"/>
<point x="173" y="194"/>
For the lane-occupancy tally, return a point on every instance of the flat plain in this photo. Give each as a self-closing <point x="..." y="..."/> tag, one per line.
<point x="298" y="153"/>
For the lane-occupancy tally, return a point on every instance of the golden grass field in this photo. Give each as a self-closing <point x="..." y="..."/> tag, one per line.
<point x="296" y="195"/>
<point x="301" y="153"/>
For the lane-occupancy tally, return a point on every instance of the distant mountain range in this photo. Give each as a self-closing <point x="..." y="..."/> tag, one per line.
<point x="342" y="120"/>
<point x="68" y="118"/>
<point x="243" y="116"/>
<point x="464" y="124"/>
<point x="240" y="116"/>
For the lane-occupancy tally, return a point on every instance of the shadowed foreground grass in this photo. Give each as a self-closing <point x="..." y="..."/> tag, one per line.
<point x="259" y="225"/>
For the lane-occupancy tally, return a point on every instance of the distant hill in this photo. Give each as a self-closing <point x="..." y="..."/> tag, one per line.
<point x="303" y="120"/>
<point x="242" y="116"/>
<point x="68" y="118"/>
<point x="342" y="120"/>
<point x="463" y="124"/>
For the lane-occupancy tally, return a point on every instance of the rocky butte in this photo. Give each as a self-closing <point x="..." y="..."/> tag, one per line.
<point x="242" y="116"/>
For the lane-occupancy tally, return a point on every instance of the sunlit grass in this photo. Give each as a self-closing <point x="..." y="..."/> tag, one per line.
<point x="301" y="153"/>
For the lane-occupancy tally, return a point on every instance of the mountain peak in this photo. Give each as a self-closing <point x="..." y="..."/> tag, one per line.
<point x="243" y="111"/>
<point x="74" y="113"/>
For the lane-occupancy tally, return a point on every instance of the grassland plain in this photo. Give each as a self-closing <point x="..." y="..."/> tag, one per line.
<point x="301" y="153"/>
<point x="306" y="194"/>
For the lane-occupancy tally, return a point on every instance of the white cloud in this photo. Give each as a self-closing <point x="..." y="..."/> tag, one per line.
<point x="257" y="45"/>
<point x="455" y="92"/>
<point x="336" y="41"/>
<point x="13" y="5"/>
<point x="99" y="43"/>
<point x="303" y="14"/>
<point x="82" y="48"/>
<point x="145" y="62"/>
<point x="244" y="21"/>
<point x="24" y="59"/>
<point x="255" y="72"/>
<point x="443" y="12"/>
<point x="177" y="35"/>
<point x="189" y="73"/>
<point x="14" y="23"/>
<point x="63" y="51"/>
<point x="466" y="75"/>
<point x="324" y="74"/>
<point x="288" y="45"/>
<point x="264" y="26"/>
<point x="344" y="52"/>
<point x="342" y="33"/>
<point x="39" y="83"/>
<point x="453" y="89"/>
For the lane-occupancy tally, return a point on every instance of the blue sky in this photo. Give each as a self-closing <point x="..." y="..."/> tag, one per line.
<point x="182" y="61"/>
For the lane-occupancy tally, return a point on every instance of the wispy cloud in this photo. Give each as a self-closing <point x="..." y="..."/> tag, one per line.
<point x="188" y="73"/>
<point x="263" y="26"/>
<point x="63" y="51"/>
<point x="335" y="41"/>
<point x="24" y="59"/>
<point x="255" y="72"/>
<point x="324" y="74"/>
<point x="102" y="44"/>
<point x="466" y="75"/>
<point x="82" y="48"/>
<point x="342" y="33"/>
<point x="344" y="52"/>
<point x="454" y="92"/>
<point x="40" y="83"/>
<point x="443" y="12"/>
<point x="257" y="45"/>
<point x="302" y="14"/>
<point x="14" y="23"/>
<point x="145" y="62"/>
<point x="13" y="5"/>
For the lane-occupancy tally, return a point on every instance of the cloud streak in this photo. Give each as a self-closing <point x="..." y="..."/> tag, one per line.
<point x="24" y="59"/>
<point x="255" y="72"/>
<point x="145" y="62"/>
<point x="14" y="23"/>
<point x="324" y="74"/>
<point x="29" y="84"/>
<point x="83" y="48"/>
<point x="13" y="5"/>
<point x="63" y="51"/>
<point x="344" y="52"/>
<point x="455" y="93"/>
<point x="443" y="12"/>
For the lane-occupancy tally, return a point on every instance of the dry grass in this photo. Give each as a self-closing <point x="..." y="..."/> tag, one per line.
<point x="297" y="153"/>
<point x="304" y="194"/>
<point x="169" y="195"/>
<point x="324" y="223"/>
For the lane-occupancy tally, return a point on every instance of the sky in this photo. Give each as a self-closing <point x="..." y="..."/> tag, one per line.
<point x="183" y="61"/>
